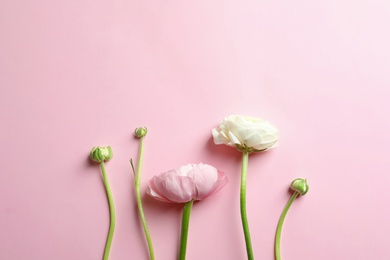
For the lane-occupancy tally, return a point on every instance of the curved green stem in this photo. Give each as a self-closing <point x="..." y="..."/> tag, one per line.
<point x="280" y="224"/>
<point x="244" y="218"/>
<point x="184" y="229"/>
<point x="112" y="213"/>
<point x="139" y="199"/>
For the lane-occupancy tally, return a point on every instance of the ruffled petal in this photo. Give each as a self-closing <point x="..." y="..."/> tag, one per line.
<point x="154" y="191"/>
<point x="246" y="131"/>
<point x="186" y="183"/>
<point x="155" y="195"/>
<point x="218" y="184"/>
<point x="204" y="176"/>
<point x="234" y="139"/>
<point x="219" y="137"/>
<point x="174" y="188"/>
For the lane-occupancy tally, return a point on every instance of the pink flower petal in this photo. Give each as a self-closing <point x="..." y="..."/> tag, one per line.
<point x="174" y="188"/>
<point x="153" y="189"/>
<point x="204" y="177"/>
<point x="186" y="183"/>
<point x="219" y="184"/>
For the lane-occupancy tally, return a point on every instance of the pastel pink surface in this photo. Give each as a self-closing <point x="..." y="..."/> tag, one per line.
<point x="77" y="74"/>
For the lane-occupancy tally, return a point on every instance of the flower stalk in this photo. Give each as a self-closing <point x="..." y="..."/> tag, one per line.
<point x="141" y="133"/>
<point x="244" y="218"/>
<point x="112" y="213"/>
<point x="101" y="155"/>
<point x="300" y="187"/>
<point x="280" y="225"/>
<point x="184" y="229"/>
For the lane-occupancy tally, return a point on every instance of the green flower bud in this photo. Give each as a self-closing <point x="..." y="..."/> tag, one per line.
<point x="101" y="154"/>
<point x="300" y="185"/>
<point x="140" y="132"/>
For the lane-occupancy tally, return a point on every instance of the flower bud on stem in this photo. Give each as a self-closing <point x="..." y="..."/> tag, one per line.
<point x="141" y="133"/>
<point x="300" y="187"/>
<point x="100" y="155"/>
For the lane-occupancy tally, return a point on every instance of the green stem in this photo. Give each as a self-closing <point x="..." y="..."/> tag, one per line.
<point x="244" y="218"/>
<point x="139" y="200"/>
<point x="184" y="229"/>
<point x="112" y="213"/>
<point x="280" y="224"/>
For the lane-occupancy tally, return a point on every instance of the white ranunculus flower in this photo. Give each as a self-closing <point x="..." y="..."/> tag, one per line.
<point x="246" y="133"/>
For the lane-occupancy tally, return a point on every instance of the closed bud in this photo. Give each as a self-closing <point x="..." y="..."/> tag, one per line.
<point x="101" y="154"/>
<point x="140" y="132"/>
<point x="300" y="185"/>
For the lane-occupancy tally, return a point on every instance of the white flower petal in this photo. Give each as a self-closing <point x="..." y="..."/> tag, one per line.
<point x="219" y="137"/>
<point x="246" y="131"/>
<point x="233" y="138"/>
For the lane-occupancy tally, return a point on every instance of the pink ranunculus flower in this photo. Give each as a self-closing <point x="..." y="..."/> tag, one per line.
<point x="187" y="183"/>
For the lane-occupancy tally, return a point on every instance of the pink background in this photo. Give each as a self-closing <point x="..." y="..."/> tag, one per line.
<point x="77" y="74"/>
